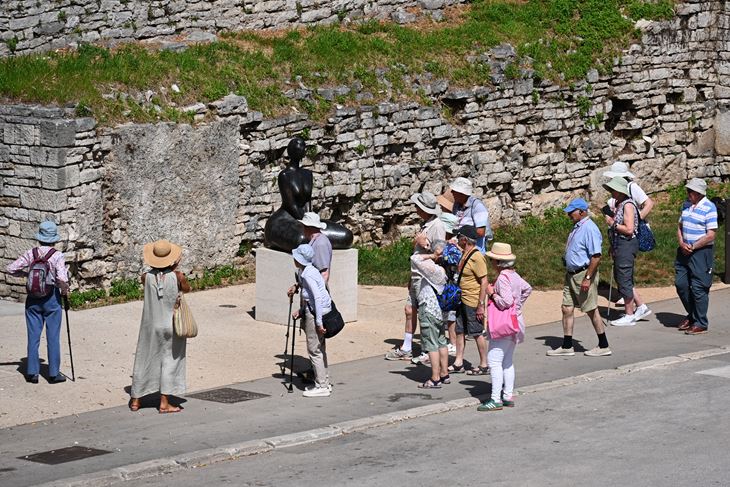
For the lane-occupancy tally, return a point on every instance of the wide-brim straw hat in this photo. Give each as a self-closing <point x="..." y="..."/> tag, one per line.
<point x="697" y="185"/>
<point x="619" y="169"/>
<point x="446" y="200"/>
<point x="501" y="251"/>
<point x="47" y="233"/>
<point x="618" y="184"/>
<point x="311" y="219"/>
<point x="161" y="254"/>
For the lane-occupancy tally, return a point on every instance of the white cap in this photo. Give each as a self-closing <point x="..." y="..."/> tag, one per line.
<point x="462" y="185"/>
<point x="697" y="185"/>
<point x="619" y="169"/>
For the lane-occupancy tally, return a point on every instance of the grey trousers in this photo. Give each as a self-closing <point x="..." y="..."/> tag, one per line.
<point x="693" y="278"/>
<point x="317" y="350"/>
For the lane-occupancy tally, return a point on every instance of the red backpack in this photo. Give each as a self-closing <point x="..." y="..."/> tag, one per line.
<point x="40" y="280"/>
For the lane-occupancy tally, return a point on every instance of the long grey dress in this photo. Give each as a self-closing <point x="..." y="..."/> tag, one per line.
<point x="159" y="364"/>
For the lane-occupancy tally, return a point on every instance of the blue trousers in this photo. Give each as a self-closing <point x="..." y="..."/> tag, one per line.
<point x="38" y="311"/>
<point x="693" y="278"/>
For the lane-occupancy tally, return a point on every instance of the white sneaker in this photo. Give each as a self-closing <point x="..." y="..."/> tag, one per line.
<point x="452" y="349"/>
<point x="329" y="386"/>
<point x="642" y="312"/>
<point x="598" y="352"/>
<point x="421" y="359"/>
<point x="625" y="320"/>
<point x="317" y="392"/>
<point x="561" y="352"/>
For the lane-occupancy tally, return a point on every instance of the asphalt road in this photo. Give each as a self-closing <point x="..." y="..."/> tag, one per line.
<point x="663" y="426"/>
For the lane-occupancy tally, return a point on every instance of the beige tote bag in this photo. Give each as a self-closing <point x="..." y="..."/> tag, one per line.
<point x="183" y="320"/>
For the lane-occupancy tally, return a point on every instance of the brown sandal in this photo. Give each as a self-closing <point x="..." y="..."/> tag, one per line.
<point x="133" y="406"/>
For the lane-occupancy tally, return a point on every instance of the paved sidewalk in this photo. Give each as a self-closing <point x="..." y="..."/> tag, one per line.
<point x="363" y="388"/>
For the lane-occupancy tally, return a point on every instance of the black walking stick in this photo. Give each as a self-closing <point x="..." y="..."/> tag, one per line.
<point x="288" y="324"/>
<point x="291" y="360"/>
<point x="68" y="332"/>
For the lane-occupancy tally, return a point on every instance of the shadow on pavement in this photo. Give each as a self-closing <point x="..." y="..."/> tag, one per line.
<point x="669" y="320"/>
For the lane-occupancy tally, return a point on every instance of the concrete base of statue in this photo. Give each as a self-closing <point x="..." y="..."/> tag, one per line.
<point x="275" y="274"/>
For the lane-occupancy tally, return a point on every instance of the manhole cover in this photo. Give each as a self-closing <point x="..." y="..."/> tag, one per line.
<point x="227" y="395"/>
<point x="63" y="455"/>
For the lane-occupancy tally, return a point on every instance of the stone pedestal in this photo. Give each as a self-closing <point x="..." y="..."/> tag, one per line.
<point x="275" y="273"/>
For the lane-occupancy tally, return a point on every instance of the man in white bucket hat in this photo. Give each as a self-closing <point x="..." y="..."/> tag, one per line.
<point x="319" y="242"/>
<point x="471" y="211"/>
<point x="432" y="229"/>
<point x="645" y="204"/>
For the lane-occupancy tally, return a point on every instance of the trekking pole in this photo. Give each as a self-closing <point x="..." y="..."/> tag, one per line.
<point x="288" y="325"/>
<point x="610" y="289"/>
<point x="68" y="332"/>
<point x="291" y="360"/>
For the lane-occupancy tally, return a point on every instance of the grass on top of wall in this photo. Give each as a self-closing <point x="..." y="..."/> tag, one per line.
<point x="559" y="39"/>
<point x="539" y="243"/>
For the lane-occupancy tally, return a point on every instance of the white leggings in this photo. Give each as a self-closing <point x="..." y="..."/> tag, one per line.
<point x="501" y="367"/>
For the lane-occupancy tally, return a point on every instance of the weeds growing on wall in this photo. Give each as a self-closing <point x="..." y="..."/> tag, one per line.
<point x="564" y="39"/>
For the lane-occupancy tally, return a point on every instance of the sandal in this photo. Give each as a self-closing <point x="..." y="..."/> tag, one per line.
<point x="134" y="405"/>
<point x="478" y="371"/>
<point x="429" y="384"/>
<point x="490" y="405"/>
<point x="445" y="379"/>
<point x="453" y="369"/>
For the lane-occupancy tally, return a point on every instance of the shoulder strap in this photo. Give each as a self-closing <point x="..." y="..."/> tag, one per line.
<point x="49" y="255"/>
<point x="36" y="255"/>
<point x="468" y="257"/>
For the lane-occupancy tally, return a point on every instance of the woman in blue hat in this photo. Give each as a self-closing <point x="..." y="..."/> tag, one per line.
<point x="47" y="281"/>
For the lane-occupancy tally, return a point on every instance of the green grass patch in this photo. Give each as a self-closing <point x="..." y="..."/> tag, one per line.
<point x="221" y="276"/>
<point x="80" y="299"/>
<point x="564" y="39"/>
<point x="385" y="266"/>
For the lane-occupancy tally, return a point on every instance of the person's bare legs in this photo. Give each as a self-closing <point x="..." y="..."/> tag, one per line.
<point x="444" y="361"/>
<point x="482" y="348"/>
<point x="166" y="407"/>
<point x="637" y="298"/>
<point x="135" y="404"/>
<point x="460" y="344"/>
<point x="568" y="320"/>
<point x="435" y="366"/>
<point x="596" y="320"/>
<point x="629" y="306"/>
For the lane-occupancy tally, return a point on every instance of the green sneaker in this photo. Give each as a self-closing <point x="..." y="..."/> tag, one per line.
<point x="507" y="403"/>
<point x="490" y="406"/>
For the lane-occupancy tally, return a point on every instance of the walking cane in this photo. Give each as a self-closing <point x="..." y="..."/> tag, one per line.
<point x="68" y="332"/>
<point x="286" y="345"/>
<point x="291" y="360"/>
<point x="610" y="288"/>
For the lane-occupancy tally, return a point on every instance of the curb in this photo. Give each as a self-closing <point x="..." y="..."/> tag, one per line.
<point x="209" y="456"/>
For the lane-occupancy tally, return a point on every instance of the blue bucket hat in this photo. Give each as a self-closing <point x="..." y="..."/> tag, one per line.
<point x="303" y="254"/>
<point x="47" y="233"/>
<point x="576" y="204"/>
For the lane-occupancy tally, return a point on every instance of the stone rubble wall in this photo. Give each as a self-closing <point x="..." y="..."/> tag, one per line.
<point x="28" y="26"/>
<point x="527" y="146"/>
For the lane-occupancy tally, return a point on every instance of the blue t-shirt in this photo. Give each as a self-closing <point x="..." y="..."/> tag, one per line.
<point x="584" y="241"/>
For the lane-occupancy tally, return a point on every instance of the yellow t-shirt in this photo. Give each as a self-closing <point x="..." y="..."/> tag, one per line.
<point x="470" y="287"/>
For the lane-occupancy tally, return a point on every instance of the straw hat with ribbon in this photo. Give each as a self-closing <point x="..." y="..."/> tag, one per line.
<point x="501" y="251"/>
<point x="161" y="254"/>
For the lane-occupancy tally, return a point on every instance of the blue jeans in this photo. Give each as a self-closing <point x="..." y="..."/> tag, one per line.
<point x="38" y="311"/>
<point x="693" y="278"/>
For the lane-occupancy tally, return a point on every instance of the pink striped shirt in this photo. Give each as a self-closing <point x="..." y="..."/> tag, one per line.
<point x="56" y="262"/>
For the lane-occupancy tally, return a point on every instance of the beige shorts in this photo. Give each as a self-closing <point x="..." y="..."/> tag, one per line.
<point x="572" y="295"/>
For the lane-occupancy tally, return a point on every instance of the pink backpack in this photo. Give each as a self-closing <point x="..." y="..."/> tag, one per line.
<point x="40" y="280"/>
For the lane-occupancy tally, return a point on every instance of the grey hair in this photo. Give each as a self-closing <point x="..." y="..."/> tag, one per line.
<point x="468" y="239"/>
<point x="438" y="246"/>
<point x="506" y="264"/>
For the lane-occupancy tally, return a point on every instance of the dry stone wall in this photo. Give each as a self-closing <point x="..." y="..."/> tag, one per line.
<point x="527" y="145"/>
<point x="35" y="26"/>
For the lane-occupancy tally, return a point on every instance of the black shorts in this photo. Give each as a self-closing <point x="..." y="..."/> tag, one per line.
<point x="466" y="318"/>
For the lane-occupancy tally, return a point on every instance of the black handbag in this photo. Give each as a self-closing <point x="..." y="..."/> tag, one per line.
<point x="333" y="322"/>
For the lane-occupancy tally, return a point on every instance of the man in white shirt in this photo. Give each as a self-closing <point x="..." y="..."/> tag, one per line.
<point x="471" y="211"/>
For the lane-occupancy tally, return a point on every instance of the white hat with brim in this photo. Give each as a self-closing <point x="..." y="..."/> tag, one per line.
<point x="433" y="273"/>
<point x="450" y="222"/>
<point x="161" y="254"/>
<point x="618" y="184"/>
<point x="427" y="202"/>
<point x="311" y="219"/>
<point x="462" y="185"/>
<point x="619" y="169"/>
<point x="303" y="254"/>
<point x="501" y="251"/>
<point x="697" y="185"/>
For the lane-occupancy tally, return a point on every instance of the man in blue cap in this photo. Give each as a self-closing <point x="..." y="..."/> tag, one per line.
<point x="582" y="256"/>
<point x="47" y="281"/>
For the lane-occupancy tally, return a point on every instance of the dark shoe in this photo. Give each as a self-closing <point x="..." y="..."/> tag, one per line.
<point x="684" y="325"/>
<point x="57" y="379"/>
<point x="695" y="330"/>
<point x="33" y="379"/>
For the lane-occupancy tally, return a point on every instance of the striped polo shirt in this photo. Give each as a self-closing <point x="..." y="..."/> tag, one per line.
<point x="697" y="220"/>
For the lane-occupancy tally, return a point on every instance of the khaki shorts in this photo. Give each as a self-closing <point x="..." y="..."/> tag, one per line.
<point x="572" y="295"/>
<point x="432" y="332"/>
